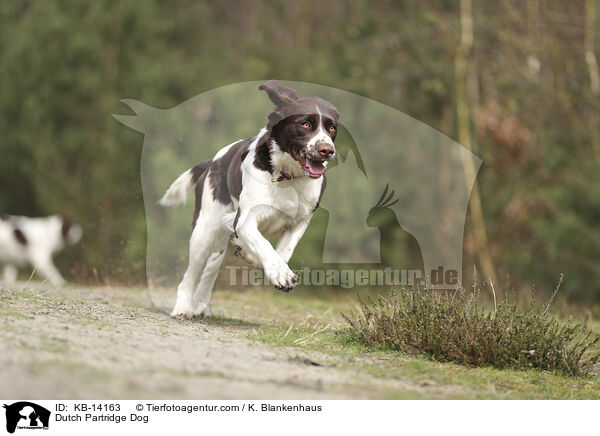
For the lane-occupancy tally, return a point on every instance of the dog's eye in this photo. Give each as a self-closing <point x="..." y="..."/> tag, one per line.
<point x="332" y="128"/>
<point x="306" y="124"/>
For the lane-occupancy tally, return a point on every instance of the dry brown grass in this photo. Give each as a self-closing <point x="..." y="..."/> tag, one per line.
<point x="455" y="327"/>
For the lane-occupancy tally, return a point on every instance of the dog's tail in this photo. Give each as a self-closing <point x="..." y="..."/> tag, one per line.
<point x="178" y="191"/>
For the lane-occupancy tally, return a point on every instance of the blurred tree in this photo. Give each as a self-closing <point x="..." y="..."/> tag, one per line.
<point x="590" y="56"/>
<point x="463" y="117"/>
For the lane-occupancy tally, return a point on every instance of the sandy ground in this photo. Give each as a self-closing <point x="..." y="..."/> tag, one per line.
<point x="110" y="342"/>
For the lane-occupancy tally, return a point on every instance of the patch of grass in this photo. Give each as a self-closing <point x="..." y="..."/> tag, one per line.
<point x="12" y="313"/>
<point x="404" y="376"/>
<point x="75" y="369"/>
<point x="227" y="321"/>
<point x="55" y="346"/>
<point x="455" y="327"/>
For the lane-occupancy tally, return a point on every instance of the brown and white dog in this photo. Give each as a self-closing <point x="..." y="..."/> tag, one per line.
<point x="34" y="241"/>
<point x="254" y="188"/>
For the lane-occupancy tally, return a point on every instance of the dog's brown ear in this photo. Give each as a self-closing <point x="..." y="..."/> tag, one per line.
<point x="66" y="225"/>
<point x="280" y="95"/>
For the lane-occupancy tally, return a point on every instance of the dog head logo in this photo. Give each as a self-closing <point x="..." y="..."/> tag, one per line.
<point x="375" y="146"/>
<point x="26" y="415"/>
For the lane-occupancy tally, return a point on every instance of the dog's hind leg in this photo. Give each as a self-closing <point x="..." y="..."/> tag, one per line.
<point x="207" y="281"/>
<point x="10" y="275"/>
<point x="201" y="243"/>
<point x="208" y="236"/>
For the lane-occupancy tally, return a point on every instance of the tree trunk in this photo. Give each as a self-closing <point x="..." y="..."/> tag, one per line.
<point x="592" y="64"/>
<point x="463" y="119"/>
<point x="590" y="56"/>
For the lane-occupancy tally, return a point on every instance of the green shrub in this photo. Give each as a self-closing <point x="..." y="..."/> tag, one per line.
<point x="455" y="327"/>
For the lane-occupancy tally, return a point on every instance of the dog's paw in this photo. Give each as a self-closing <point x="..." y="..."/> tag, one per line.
<point x="183" y="312"/>
<point x="282" y="277"/>
<point x="182" y="315"/>
<point x="58" y="282"/>
<point x="187" y="313"/>
<point x="285" y="289"/>
<point x="204" y="313"/>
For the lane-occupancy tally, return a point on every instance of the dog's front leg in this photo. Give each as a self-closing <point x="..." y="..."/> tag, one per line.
<point x="252" y="241"/>
<point x="43" y="264"/>
<point x="288" y="241"/>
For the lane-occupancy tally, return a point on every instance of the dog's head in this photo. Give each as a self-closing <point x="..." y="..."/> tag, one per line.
<point x="303" y="128"/>
<point x="70" y="231"/>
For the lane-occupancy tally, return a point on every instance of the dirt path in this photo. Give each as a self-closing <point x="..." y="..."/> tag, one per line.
<point x="112" y="343"/>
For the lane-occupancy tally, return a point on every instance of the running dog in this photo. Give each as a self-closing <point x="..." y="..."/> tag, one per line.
<point x="251" y="189"/>
<point x="34" y="241"/>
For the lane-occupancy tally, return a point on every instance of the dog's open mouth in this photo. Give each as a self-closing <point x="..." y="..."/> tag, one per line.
<point x="314" y="168"/>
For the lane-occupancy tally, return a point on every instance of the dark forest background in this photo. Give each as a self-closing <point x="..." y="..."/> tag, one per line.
<point x="516" y="81"/>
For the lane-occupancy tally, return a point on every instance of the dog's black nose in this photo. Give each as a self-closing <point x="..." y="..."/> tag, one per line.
<point x="326" y="150"/>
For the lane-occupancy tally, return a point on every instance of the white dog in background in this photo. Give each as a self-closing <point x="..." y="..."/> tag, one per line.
<point x="34" y="241"/>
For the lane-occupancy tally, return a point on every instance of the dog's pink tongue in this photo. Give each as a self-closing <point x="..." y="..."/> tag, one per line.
<point x="315" y="168"/>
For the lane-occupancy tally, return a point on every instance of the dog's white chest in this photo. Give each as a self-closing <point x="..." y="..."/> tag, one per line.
<point x="280" y="205"/>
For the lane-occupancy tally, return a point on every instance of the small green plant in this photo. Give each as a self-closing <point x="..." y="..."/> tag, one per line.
<point x="455" y="327"/>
